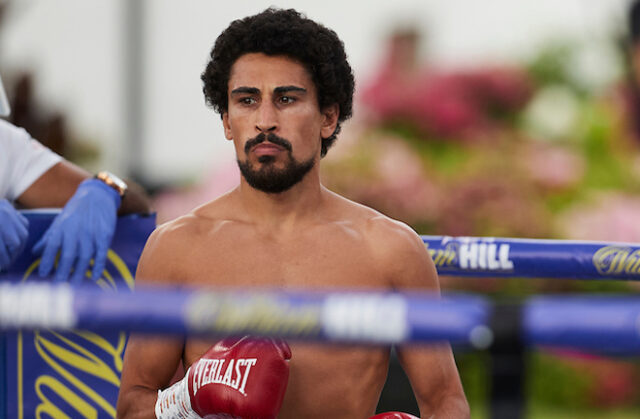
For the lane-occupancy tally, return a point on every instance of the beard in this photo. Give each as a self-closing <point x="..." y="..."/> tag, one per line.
<point x="267" y="178"/>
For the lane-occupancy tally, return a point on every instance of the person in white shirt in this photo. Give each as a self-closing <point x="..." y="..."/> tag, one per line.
<point x="32" y="176"/>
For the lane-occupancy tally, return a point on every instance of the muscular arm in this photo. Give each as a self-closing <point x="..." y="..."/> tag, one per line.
<point x="431" y="369"/>
<point x="434" y="378"/>
<point x="58" y="184"/>
<point x="54" y="188"/>
<point x="149" y="362"/>
<point x="149" y="365"/>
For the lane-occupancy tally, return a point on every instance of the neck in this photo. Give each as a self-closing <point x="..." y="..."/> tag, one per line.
<point x="284" y="211"/>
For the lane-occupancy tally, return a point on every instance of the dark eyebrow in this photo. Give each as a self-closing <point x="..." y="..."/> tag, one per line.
<point x="286" y="89"/>
<point x="244" y="89"/>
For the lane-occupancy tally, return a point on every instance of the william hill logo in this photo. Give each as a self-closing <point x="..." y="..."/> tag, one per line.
<point x="472" y="255"/>
<point x="616" y="260"/>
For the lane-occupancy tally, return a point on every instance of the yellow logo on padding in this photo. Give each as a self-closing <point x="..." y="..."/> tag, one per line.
<point x="68" y="358"/>
<point x="615" y="260"/>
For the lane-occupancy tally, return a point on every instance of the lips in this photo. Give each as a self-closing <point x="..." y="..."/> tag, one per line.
<point x="264" y="149"/>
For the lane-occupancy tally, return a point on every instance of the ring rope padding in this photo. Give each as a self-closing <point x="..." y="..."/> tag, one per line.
<point x="606" y="324"/>
<point x="533" y="258"/>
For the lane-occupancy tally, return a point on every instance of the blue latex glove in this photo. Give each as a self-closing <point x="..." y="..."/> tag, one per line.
<point x="14" y="230"/>
<point x="82" y="230"/>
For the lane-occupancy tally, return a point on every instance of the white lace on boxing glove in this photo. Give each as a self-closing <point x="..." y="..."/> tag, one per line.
<point x="175" y="403"/>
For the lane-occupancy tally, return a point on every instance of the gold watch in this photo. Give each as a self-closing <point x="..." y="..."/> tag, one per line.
<point x="114" y="181"/>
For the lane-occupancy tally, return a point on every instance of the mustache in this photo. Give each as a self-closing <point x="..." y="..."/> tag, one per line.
<point x="271" y="137"/>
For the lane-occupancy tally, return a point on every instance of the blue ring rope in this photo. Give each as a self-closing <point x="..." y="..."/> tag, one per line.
<point x="603" y="324"/>
<point x="531" y="258"/>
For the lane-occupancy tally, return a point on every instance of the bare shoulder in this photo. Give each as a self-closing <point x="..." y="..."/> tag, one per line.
<point x="171" y="242"/>
<point x="163" y="247"/>
<point x="396" y="247"/>
<point x="196" y="223"/>
<point x="389" y="236"/>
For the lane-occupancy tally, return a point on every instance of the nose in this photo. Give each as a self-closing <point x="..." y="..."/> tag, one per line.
<point x="267" y="118"/>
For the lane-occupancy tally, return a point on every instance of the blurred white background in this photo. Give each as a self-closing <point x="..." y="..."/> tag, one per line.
<point x="81" y="53"/>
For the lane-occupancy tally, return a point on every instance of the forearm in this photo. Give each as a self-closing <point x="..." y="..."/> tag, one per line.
<point x="150" y="362"/>
<point x="450" y="407"/>
<point x="55" y="187"/>
<point x="137" y="403"/>
<point x="135" y="200"/>
<point x="435" y="381"/>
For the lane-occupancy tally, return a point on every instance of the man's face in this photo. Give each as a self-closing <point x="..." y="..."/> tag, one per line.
<point x="274" y="121"/>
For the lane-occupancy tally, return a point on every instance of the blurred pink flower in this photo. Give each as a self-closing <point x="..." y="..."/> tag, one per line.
<point x="454" y="104"/>
<point x="391" y="179"/>
<point x="385" y="95"/>
<point x="395" y="77"/>
<point x="402" y="187"/>
<point x="491" y="206"/>
<point x="443" y="105"/>
<point x="552" y="167"/>
<point x="503" y="88"/>
<point x="611" y="217"/>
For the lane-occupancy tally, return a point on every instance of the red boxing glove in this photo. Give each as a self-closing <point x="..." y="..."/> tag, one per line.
<point x="240" y="378"/>
<point x="393" y="415"/>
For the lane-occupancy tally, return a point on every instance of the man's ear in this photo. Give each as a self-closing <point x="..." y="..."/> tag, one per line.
<point x="329" y="120"/>
<point x="227" y="126"/>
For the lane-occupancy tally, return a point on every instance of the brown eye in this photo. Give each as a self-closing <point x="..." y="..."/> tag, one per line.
<point x="287" y="100"/>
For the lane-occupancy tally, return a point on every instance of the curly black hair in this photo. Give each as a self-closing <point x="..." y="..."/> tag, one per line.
<point x="291" y="34"/>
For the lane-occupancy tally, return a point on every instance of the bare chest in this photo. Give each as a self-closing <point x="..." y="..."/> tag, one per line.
<point x="337" y="258"/>
<point x="310" y="262"/>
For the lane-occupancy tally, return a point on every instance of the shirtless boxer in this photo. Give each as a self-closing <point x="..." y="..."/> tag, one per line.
<point x="283" y="85"/>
